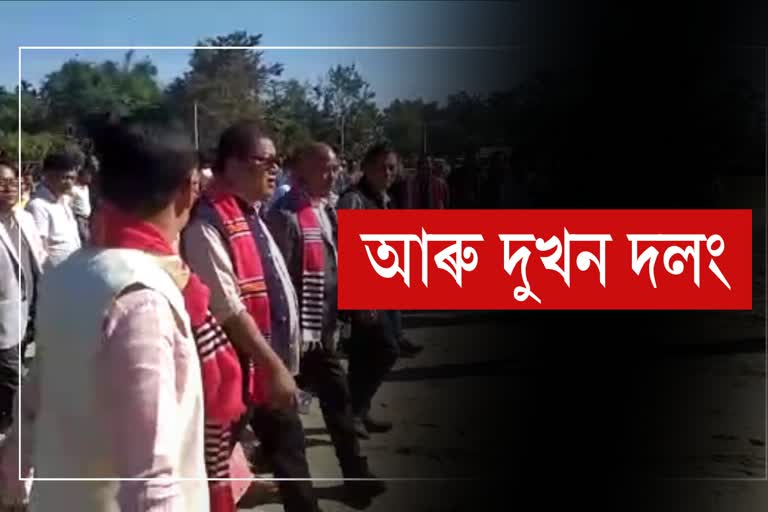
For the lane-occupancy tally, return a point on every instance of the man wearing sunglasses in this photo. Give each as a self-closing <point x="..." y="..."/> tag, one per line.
<point x="228" y="245"/>
<point x="21" y="259"/>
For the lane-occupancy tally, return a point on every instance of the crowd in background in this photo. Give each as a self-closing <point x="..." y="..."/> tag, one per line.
<point x="248" y="240"/>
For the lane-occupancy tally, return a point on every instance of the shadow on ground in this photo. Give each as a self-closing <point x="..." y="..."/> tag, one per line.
<point x="456" y="370"/>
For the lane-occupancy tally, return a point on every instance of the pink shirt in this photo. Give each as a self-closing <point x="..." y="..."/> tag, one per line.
<point x="144" y="365"/>
<point x="143" y="359"/>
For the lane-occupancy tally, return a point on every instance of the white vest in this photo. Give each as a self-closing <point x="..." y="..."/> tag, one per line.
<point x="71" y="440"/>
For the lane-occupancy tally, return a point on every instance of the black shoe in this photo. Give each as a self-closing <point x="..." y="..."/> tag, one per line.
<point x="376" y="426"/>
<point x="359" y="426"/>
<point x="360" y="493"/>
<point x="362" y="485"/>
<point x="408" y="348"/>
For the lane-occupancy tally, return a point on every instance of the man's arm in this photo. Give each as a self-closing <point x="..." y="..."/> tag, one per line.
<point x="205" y="253"/>
<point x="350" y="201"/>
<point x="42" y="219"/>
<point x="243" y="332"/>
<point x="284" y="232"/>
<point x="137" y="383"/>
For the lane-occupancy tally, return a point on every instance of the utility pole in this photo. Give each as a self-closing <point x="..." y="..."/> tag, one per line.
<point x="342" y="132"/>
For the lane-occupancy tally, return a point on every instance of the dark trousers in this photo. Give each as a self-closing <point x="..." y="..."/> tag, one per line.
<point x="282" y="441"/>
<point x="396" y="317"/>
<point x="9" y="383"/>
<point x="322" y="372"/>
<point x="83" y="229"/>
<point x="373" y="351"/>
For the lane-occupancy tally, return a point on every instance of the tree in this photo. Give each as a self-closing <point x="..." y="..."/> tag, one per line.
<point x="292" y="115"/>
<point x="36" y="142"/>
<point x="35" y="146"/>
<point x="226" y="84"/>
<point x="404" y="124"/>
<point x="80" y="89"/>
<point x="9" y="109"/>
<point x="33" y="110"/>
<point x="347" y="98"/>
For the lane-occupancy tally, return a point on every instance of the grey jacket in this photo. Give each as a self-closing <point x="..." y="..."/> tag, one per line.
<point x="12" y="326"/>
<point x="283" y="223"/>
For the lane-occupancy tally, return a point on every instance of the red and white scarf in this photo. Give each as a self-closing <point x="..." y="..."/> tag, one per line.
<point x="312" y="270"/>
<point x="246" y="261"/>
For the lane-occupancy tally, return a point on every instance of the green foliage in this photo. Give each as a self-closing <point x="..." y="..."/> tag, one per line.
<point x="226" y="84"/>
<point x="80" y="89"/>
<point x="34" y="112"/>
<point x="291" y="114"/>
<point x="34" y="147"/>
<point x="347" y="98"/>
<point x="9" y="108"/>
<point x="536" y="118"/>
<point x="404" y="125"/>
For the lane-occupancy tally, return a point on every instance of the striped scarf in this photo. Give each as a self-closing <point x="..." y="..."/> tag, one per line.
<point x="219" y="365"/>
<point x="246" y="261"/>
<point x="312" y="272"/>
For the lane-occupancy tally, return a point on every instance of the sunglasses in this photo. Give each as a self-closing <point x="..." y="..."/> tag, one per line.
<point x="261" y="161"/>
<point x="9" y="183"/>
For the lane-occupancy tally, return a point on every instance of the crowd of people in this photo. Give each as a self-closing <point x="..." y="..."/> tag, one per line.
<point x="175" y="303"/>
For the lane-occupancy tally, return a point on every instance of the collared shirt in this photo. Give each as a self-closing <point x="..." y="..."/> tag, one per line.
<point x="143" y="361"/>
<point x="354" y="201"/>
<point x="56" y="223"/>
<point x="143" y="343"/>
<point x="207" y="254"/>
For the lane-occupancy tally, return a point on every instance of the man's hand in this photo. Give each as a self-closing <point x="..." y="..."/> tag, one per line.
<point x="244" y="334"/>
<point x="283" y="389"/>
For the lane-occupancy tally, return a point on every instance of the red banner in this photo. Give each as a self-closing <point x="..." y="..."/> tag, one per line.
<point x="545" y="259"/>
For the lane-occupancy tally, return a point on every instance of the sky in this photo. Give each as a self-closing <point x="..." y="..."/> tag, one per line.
<point x="429" y="74"/>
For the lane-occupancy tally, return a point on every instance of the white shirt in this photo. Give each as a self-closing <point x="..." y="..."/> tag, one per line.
<point x="56" y="223"/>
<point x="133" y="405"/>
<point x="81" y="201"/>
<point x="207" y="255"/>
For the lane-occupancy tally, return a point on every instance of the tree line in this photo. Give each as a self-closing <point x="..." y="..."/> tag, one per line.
<point x="224" y="85"/>
<point x="544" y="119"/>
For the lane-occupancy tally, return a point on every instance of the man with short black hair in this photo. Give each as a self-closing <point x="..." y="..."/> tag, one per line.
<point x="49" y="207"/>
<point x="303" y="223"/>
<point x="373" y="347"/>
<point x="252" y="297"/>
<point x="114" y="398"/>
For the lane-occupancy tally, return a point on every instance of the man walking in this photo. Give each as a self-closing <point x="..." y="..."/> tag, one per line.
<point x="114" y="398"/>
<point x="303" y="223"/>
<point x="252" y="297"/>
<point x="373" y="348"/>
